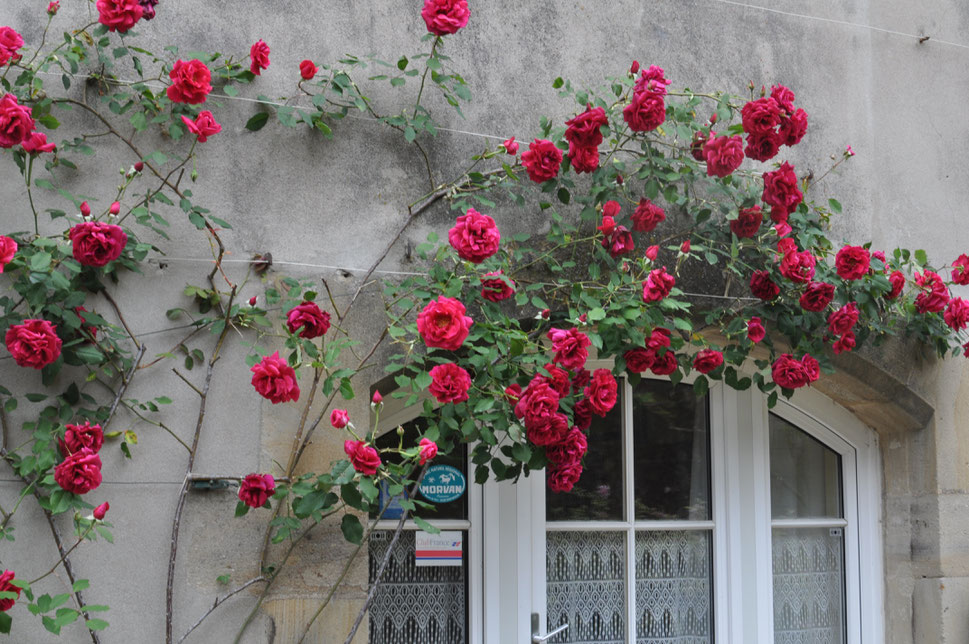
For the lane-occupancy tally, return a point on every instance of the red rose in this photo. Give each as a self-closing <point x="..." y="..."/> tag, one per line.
<point x="259" y="57"/>
<point x="960" y="270"/>
<point x="339" y="418"/>
<point x="798" y="267"/>
<point x="8" y="248"/>
<point x="583" y="158"/>
<point x="619" y="241"/>
<point x="53" y="7"/>
<point x="811" y="367"/>
<point x="657" y="285"/>
<point x="647" y="216"/>
<point x="570" y="347"/>
<point x="95" y="243"/>
<point x="789" y="373"/>
<point x="707" y="360"/>
<point x="793" y="128"/>
<point x="363" y="457"/>
<point x="782" y="227"/>
<point x="897" y="280"/>
<point x="308" y="315"/>
<point x="571" y="450"/>
<point x="747" y="223"/>
<point x="582" y="414"/>
<point x="444" y="17"/>
<point x="307" y="69"/>
<point x="119" y="15"/>
<point x="80" y="472"/>
<point x="696" y="145"/>
<point x="652" y="80"/>
<point x="607" y="227"/>
<point x="956" y="314"/>
<point x="275" y="380"/>
<point x="665" y="364"/>
<point x="817" y="296"/>
<point x="762" y="286"/>
<point x="443" y="323"/>
<point x="204" y="125"/>
<point x="845" y="343"/>
<point x="537" y="404"/>
<point x="34" y="343"/>
<point x="634" y="67"/>
<point x="723" y="154"/>
<point x="562" y="478"/>
<point x="580" y="378"/>
<point x="755" y="330"/>
<point x="513" y="393"/>
<point x="760" y="117"/>
<point x="190" y="82"/>
<point x="762" y="147"/>
<point x="645" y="112"/>
<point x="101" y="511"/>
<point x="651" y="253"/>
<point x="427" y="450"/>
<point x="842" y="320"/>
<point x="10" y="42"/>
<point x="781" y="191"/>
<point x="542" y="160"/>
<point x="934" y="295"/>
<point x="78" y="437"/>
<point x="497" y="288"/>
<point x="474" y="236"/>
<point x="852" y="262"/>
<point x="551" y="430"/>
<point x="256" y="489"/>
<point x="783" y="96"/>
<point x="639" y="360"/>
<point x="583" y="130"/>
<point x="511" y="146"/>
<point x="602" y="391"/>
<point x="7" y="587"/>
<point x="37" y="143"/>
<point x="449" y="383"/>
<point x="785" y="246"/>
<point x="16" y="122"/>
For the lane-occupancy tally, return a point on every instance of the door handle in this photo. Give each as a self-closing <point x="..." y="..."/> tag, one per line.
<point x="541" y="639"/>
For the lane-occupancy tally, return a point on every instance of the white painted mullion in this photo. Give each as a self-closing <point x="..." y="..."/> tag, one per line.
<point x="475" y="563"/>
<point x="808" y="523"/>
<point x="763" y="543"/>
<point x="630" y="514"/>
<point x="722" y="424"/>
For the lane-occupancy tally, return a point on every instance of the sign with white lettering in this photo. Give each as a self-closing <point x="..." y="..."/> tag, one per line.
<point x="443" y="549"/>
<point x="443" y="483"/>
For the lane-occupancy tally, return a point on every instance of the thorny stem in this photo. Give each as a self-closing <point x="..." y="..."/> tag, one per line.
<point x="427" y="68"/>
<point x="125" y="381"/>
<point x="218" y="602"/>
<point x="64" y="556"/>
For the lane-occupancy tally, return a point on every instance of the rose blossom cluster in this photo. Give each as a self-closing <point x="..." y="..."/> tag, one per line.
<point x="80" y="471"/>
<point x="617" y="240"/>
<point x="794" y="374"/>
<point x="772" y="121"/>
<point x="584" y="136"/>
<point x="647" y="109"/>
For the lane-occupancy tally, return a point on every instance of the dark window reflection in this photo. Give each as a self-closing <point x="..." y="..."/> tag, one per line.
<point x="671" y="443"/>
<point x="805" y="475"/>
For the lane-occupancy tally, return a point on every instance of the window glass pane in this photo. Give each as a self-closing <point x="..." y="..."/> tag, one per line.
<point x="598" y="493"/>
<point x="671" y="440"/>
<point x="416" y="605"/>
<point x="805" y="475"/>
<point x="809" y="603"/>
<point x="674" y="585"/>
<point x="585" y="573"/>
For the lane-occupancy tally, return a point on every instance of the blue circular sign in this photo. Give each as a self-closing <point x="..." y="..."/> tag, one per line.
<point x="443" y="483"/>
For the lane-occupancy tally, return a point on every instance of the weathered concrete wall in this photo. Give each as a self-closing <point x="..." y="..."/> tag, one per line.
<point x="899" y="104"/>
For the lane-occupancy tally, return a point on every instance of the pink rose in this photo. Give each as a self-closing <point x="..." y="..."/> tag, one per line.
<point x="817" y="296"/>
<point x="762" y="286"/>
<point x="652" y="80"/>
<point x="275" y="380"/>
<point x="496" y="288"/>
<point x="78" y="437"/>
<point x="571" y="450"/>
<point x="852" y="262"/>
<point x="842" y="320"/>
<point x="443" y="324"/>
<point x="747" y="223"/>
<point x="307" y="69"/>
<point x="259" y="57"/>
<point x="10" y="43"/>
<point x="781" y="191"/>
<point x="584" y="129"/>
<point x="707" y="360"/>
<point x="657" y="285"/>
<point x="53" y="7"/>
<point x="956" y="314"/>
<point x="960" y="270"/>
<point x="647" y="216"/>
<point x="646" y="112"/>
<point x="37" y="143"/>
<point x="475" y="236"/>
<point x="363" y="457"/>
<point x="80" y="472"/>
<point x="542" y="160"/>
<point x="562" y="478"/>
<point x="376" y="399"/>
<point x="119" y="15"/>
<point x="95" y="243"/>
<point x="789" y="373"/>
<point x="8" y="248"/>
<point x="897" y="280"/>
<point x="204" y="125"/>
<point x="256" y="489"/>
<point x="933" y="296"/>
<point x="619" y="241"/>
<point x="308" y="316"/>
<point x="760" y="117"/>
<point x="190" y="82"/>
<point x="16" y="122"/>
<point x="583" y="158"/>
<point x="845" y="343"/>
<point x="723" y="154"/>
<point x="570" y="347"/>
<point x="511" y="146"/>
<point x="449" y="383"/>
<point x="602" y="391"/>
<point x="34" y="343"/>
<point x="444" y="17"/>
<point x="427" y="450"/>
<point x="7" y="587"/>
<point x="755" y="330"/>
<point x="798" y="266"/>
<point x="339" y="418"/>
<point x="782" y="228"/>
<point x="101" y="511"/>
<point x="762" y="147"/>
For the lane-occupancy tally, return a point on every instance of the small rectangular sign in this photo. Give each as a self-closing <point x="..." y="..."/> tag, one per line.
<point x="443" y="549"/>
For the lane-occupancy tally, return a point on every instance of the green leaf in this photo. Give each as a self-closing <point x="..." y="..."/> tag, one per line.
<point x="835" y="206"/>
<point x="425" y="526"/>
<point x="257" y="122"/>
<point x="597" y="314"/>
<point x="5" y="622"/>
<point x="352" y="530"/>
<point x="40" y="262"/>
<point x="402" y="63"/>
<point x="80" y="584"/>
<point x="96" y="624"/>
<point x="920" y="257"/>
<point x="241" y="509"/>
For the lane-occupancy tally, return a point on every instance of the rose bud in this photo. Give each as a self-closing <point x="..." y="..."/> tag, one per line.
<point x="634" y="68"/>
<point x="428" y="450"/>
<point x="685" y="247"/>
<point x="115" y="208"/>
<point x="619" y="179"/>
<point x="545" y="313"/>
<point x="339" y="418"/>
<point x="101" y="510"/>
<point x="377" y="398"/>
<point x="53" y="7"/>
<point x="583" y="318"/>
<point x="652" y="252"/>
<point x="713" y="118"/>
<point x="252" y="301"/>
<point x="511" y="146"/>
<point x="139" y="166"/>
<point x="85" y="209"/>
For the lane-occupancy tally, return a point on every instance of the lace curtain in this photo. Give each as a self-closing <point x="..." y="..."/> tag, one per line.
<point x="808" y="586"/>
